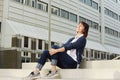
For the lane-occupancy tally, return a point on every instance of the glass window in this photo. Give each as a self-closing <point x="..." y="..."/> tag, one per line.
<point x="0" y="26"/>
<point x="39" y="44"/>
<point x="25" y="41"/>
<point x="64" y="14"/>
<point x="17" y="0"/>
<point x="89" y="22"/>
<point x="33" y="3"/>
<point x="27" y="2"/>
<point x="95" y="5"/>
<point x="82" y="19"/>
<point x="115" y="1"/>
<point x="25" y="54"/>
<point x="16" y="42"/>
<point x="42" y="6"/>
<point x="55" y="11"/>
<point x="81" y="1"/>
<point x="106" y="11"/>
<point x="110" y="13"/>
<point x="111" y="31"/>
<point x="115" y="33"/>
<point x="115" y="16"/>
<point x="88" y="2"/>
<point x="106" y="30"/>
<point x="95" y="25"/>
<point x="21" y="1"/>
<point x="119" y="34"/>
<point x="99" y="9"/>
<point x="73" y="17"/>
<point x="33" y="44"/>
<point x="119" y="18"/>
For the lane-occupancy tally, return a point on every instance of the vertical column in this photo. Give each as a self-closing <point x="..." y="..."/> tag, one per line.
<point x="43" y="44"/>
<point x="89" y="54"/>
<point x="93" y="54"/>
<point x="22" y="42"/>
<point x="29" y="43"/>
<point x="106" y="56"/>
<point x="101" y="17"/>
<point x="36" y="44"/>
<point x="100" y="55"/>
<point x="85" y="50"/>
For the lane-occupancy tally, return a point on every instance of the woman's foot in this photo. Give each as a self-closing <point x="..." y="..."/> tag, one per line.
<point x="33" y="75"/>
<point x="52" y="74"/>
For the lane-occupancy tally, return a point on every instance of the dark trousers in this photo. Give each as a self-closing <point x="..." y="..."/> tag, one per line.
<point x="64" y="61"/>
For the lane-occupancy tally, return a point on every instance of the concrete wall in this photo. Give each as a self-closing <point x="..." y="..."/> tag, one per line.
<point x="102" y="64"/>
<point x="10" y="59"/>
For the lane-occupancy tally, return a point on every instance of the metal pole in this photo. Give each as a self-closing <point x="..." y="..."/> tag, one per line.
<point x="49" y="24"/>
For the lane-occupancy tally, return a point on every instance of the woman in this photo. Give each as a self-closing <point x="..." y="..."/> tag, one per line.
<point x="66" y="57"/>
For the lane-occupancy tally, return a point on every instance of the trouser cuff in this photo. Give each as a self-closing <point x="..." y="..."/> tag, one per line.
<point x="39" y="66"/>
<point x="53" y="62"/>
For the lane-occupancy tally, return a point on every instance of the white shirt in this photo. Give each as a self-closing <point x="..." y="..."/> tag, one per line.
<point x="72" y="52"/>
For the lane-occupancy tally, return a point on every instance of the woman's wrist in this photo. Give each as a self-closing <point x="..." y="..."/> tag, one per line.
<point x="56" y="50"/>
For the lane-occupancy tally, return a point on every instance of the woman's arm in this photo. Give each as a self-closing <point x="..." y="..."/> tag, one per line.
<point x="54" y="51"/>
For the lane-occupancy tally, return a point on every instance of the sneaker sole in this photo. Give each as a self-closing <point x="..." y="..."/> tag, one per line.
<point x="52" y="77"/>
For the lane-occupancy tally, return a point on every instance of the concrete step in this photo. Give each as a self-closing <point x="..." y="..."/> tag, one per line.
<point x="33" y="65"/>
<point x="65" y="74"/>
<point x="102" y="64"/>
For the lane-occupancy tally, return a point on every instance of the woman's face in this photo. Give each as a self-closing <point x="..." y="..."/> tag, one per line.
<point x="80" y="28"/>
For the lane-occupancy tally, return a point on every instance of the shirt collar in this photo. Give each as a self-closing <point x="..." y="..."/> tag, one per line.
<point x="79" y="36"/>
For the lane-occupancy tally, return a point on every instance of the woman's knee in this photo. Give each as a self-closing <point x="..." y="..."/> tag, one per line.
<point x="55" y="46"/>
<point x="45" y="52"/>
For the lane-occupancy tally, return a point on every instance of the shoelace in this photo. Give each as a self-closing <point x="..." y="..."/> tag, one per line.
<point x="49" y="72"/>
<point x="32" y="73"/>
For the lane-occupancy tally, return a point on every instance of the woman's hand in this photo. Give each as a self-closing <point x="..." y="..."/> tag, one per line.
<point x="52" y="51"/>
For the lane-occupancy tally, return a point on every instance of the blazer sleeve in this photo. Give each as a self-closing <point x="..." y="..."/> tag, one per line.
<point x="78" y="44"/>
<point x="68" y="41"/>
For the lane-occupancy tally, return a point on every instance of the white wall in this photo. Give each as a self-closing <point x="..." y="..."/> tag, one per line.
<point x="62" y="28"/>
<point x="1" y="9"/>
<point x="112" y="23"/>
<point x="32" y="16"/>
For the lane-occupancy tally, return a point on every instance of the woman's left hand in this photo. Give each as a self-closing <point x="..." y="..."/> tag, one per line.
<point x="52" y="51"/>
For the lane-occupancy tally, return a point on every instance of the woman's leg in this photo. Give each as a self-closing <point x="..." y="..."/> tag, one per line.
<point x="62" y="60"/>
<point x="44" y="56"/>
<point x="54" y="59"/>
<point x="66" y="62"/>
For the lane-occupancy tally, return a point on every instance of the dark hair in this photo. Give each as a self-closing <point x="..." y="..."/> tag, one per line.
<point x="86" y="27"/>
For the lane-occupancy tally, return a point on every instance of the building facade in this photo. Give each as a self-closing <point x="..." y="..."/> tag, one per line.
<point x="24" y="26"/>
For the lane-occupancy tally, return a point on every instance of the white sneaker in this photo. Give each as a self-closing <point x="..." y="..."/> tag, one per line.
<point x="52" y="74"/>
<point x="32" y="76"/>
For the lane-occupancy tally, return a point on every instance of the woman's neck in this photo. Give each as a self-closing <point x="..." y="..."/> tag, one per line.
<point x="78" y="34"/>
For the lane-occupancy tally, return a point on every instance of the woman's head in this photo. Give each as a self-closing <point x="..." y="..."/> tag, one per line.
<point x="83" y="28"/>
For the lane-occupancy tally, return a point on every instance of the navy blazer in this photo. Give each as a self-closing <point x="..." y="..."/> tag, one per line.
<point x="79" y="45"/>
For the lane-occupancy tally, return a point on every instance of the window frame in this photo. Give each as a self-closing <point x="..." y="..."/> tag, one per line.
<point x="0" y="26"/>
<point x="71" y="15"/>
<point x="95" y="5"/>
<point x="82" y="19"/>
<point x="64" y="14"/>
<point x="43" y="5"/>
<point x="58" y="10"/>
<point x="88" y="3"/>
<point x="26" y="41"/>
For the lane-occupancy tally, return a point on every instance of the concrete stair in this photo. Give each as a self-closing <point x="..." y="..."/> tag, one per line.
<point x="66" y="74"/>
<point x="91" y="72"/>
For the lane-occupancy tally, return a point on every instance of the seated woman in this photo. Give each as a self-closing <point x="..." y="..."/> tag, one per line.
<point x="67" y="56"/>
